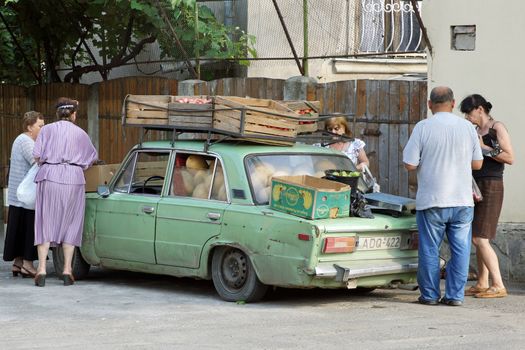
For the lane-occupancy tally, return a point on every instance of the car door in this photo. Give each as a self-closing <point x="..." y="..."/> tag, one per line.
<point x="125" y="220"/>
<point x="192" y="212"/>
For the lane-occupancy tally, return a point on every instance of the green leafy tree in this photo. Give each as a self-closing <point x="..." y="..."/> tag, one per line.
<point x="37" y="37"/>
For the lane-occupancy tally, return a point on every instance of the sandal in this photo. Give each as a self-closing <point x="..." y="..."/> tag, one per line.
<point x="473" y="290"/>
<point x="27" y="273"/>
<point x="16" y="270"/>
<point x="492" y="292"/>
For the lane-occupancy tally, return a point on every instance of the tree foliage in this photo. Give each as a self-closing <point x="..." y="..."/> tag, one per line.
<point x="39" y="37"/>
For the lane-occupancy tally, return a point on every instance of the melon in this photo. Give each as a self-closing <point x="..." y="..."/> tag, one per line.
<point x="196" y="162"/>
<point x="221" y="195"/>
<point x="187" y="179"/>
<point x="324" y="164"/>
<point x="263" y="194"/>
<point x="200" y="176"/>
<point x="201" y="191"/>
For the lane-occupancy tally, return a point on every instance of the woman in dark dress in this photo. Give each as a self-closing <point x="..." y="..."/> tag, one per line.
<point x="497" y="151"/>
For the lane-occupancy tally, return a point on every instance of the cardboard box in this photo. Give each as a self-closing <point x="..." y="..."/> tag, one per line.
<point x="310" y="197"/>
<point x="99" y="175"/>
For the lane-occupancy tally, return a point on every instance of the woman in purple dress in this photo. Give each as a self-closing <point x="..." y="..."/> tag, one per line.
<point x="63" y="151"/>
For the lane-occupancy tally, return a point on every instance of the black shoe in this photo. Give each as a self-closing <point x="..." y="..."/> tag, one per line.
<point x="450" y="302"/>
<point x="40" y="280"/>
<point x="68" y="279"/>
<point x="427" y="301"/>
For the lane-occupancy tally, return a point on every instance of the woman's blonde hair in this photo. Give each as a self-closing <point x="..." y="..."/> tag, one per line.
<point x="340" y="121"/>
<point x="31" y="118"/>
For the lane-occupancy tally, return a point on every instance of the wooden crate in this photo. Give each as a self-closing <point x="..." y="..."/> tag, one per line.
<point x="190" y="114"/>
<point x="261" y="117"/>
<point x="308" y="122"/>
<point x="146" y="109"/>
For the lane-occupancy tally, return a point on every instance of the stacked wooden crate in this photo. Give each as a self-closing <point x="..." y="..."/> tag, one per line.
<point x="244" y="117"/>
<point x="252" y="116"/>
<point x="307" y="111"/>
<point x="192" y="111"/>
<point x="146" y="109"/>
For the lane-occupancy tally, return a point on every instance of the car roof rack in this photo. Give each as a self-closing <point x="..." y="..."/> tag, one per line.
<point x="213" y="136"/>
<point x="229" y="118"/>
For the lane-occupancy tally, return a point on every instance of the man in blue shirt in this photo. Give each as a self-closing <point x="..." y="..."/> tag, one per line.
<point x="443" y="149"/>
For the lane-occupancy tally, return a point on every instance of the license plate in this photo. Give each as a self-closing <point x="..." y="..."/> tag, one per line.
<point x="374" y="243"/>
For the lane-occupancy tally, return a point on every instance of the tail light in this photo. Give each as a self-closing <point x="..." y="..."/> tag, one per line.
<point x="411" y="241"/>
<point x="339" y="244"/>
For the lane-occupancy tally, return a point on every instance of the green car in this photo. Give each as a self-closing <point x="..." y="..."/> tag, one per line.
<point x="200" y="209"/>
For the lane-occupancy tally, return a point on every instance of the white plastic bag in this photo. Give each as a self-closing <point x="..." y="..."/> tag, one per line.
<point x="26" y="191"/>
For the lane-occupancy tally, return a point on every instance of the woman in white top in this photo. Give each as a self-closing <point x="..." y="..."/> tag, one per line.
<point x="19" y="244"/>
<point x="355" y="150"/>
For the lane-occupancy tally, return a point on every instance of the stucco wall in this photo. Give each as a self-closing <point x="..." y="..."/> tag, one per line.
<point x="495" y="69"/>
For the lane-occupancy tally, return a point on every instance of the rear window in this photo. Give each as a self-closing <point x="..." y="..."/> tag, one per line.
<point x="261" y="168"/>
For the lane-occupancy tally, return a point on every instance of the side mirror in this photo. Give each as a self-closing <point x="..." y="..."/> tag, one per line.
<point x="103" y="191"/>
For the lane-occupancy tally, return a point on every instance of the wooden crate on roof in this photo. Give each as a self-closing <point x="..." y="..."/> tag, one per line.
<point x="251" y="116"/>
<point x="308" y="111"/>
<point x="146" y="109"/>
<point x="193" y="111"/>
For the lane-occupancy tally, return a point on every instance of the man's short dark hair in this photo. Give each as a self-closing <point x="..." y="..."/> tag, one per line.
<point x="441" y="94"/>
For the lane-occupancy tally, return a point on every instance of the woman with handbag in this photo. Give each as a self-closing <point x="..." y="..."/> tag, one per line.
<point x="20" y="235"/>
<point x="497" y="151"/>
<point x="63" y="151"/>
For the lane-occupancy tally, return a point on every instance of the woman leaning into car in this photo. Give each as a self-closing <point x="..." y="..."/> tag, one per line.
<point x="63" y="151"/>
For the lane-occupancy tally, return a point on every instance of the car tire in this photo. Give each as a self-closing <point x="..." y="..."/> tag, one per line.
<point x="80" y="266"/>
<point x="234" y="277"/>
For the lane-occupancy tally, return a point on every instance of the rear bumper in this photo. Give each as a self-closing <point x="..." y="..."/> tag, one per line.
<point x="345" y="273"/>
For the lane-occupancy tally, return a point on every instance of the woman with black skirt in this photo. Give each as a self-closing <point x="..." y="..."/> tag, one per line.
<point x="19" y="244"/>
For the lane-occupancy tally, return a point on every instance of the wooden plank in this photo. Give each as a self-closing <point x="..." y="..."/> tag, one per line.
<point x="228" y="123"/>
<point x="257" y="118"/>
<point x="146" y="114"/>
<point x="393" y="139"/>
<point x="146" y="121"/>
<point x="360" y="107"/>
<point x="384" y="155"/>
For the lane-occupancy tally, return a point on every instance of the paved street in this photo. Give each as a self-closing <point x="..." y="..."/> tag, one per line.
<point x="124" y="310"/>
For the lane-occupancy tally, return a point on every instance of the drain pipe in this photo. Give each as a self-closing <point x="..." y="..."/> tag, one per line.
<point x="228" y="13"/>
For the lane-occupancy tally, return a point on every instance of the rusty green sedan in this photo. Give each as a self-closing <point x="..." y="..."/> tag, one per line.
<point x="195" y="209"/>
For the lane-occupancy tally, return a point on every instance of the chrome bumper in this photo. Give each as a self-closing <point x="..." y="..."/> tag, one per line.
<point x="343" y="273"/>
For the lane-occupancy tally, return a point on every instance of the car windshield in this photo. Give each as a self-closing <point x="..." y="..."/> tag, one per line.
<point x="261" y="169"/>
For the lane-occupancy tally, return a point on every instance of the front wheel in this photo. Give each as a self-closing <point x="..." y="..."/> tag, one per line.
<point x="80" y="266"/>
<point x="234" y="277"/>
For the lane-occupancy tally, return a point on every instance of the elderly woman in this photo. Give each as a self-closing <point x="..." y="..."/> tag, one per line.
<point x="63" y="151"/>
<point x="20" y="235"/>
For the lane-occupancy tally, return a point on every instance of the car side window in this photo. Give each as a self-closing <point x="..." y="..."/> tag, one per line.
<point x="144" y="174"/>
<point x="193" y="176"/>
<point x="124" y="181"/>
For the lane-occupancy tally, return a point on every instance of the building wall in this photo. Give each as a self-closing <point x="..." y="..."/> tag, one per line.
<point x="335" y="28"/>
<point x="493" y="69"/>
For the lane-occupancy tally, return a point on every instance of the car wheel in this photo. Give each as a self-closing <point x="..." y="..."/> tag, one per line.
<point x="80" y="266"/>
<point x="234" y="277"/>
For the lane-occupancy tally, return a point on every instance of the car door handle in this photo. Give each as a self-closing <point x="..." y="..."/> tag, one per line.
<point x="214" y="216"/>
<point x="147" y="209"/>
